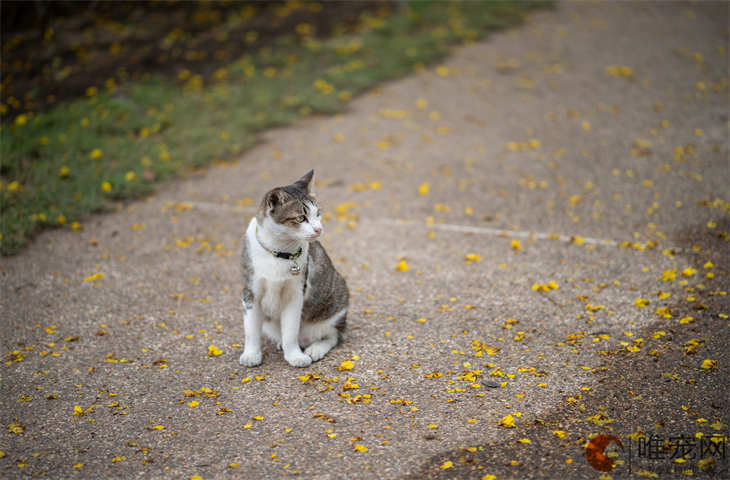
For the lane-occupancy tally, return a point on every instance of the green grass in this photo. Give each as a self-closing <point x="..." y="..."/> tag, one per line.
<point x="135" y="136"/>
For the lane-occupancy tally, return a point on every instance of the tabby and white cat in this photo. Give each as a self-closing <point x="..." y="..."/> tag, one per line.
<point x="292" y="292"/>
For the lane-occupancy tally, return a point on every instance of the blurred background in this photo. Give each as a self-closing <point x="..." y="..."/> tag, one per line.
<point x="55" y="50"/>
<point x="100" y="101"/>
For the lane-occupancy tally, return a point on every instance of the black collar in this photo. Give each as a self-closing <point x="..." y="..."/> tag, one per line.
<point x="285" y="255"/>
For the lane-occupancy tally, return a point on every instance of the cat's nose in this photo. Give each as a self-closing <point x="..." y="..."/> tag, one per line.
<point x="317" y="230"/>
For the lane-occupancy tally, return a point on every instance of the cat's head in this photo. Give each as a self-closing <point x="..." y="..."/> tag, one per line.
<point x="291" y="211"/>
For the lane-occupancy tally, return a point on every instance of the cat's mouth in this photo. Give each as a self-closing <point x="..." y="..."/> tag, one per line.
<point x="312" y="238"/>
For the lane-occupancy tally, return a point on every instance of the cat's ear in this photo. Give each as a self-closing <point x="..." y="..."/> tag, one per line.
<point x="306" y="183"/>
<point x="275" y="198"/>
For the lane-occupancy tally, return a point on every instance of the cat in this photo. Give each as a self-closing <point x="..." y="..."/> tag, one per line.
<point x="292" y="292"/>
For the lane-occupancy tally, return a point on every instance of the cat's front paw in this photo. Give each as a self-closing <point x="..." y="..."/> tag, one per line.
<point x="298" y="359"/>
<point x="250" y="359"/>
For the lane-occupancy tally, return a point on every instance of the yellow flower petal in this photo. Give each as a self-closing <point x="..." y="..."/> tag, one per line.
<point x="508" y="421"/>
<point x="402" y="266"/>
<point x="641" y="302"/>
<point x="347" y="365"/>
<point x="94" y="277"/>
<point x="709" y="364"/>
<point x="473" y="257"/>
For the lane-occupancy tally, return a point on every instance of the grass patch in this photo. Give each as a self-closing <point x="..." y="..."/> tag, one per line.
<point x="117" y="143"/>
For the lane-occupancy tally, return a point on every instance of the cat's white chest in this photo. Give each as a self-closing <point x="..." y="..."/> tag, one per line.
<point x="273" y="297"/>
<point x="274" y="284"/>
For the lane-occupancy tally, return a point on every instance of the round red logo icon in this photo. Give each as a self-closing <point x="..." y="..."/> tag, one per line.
<point x="594" y="452"/>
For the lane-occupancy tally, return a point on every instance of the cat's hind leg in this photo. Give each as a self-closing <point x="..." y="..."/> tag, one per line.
<point x="320" y="348"/>
<point x="323" y="336"/>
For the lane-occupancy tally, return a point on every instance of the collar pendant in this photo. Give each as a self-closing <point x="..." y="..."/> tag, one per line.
<point x="294" y="269"/>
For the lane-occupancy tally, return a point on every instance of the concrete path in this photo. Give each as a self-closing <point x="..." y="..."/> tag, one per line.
<point x="559" y="194"/>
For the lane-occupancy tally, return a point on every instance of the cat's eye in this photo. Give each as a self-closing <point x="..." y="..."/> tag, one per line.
<point x="300" y="219"/>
